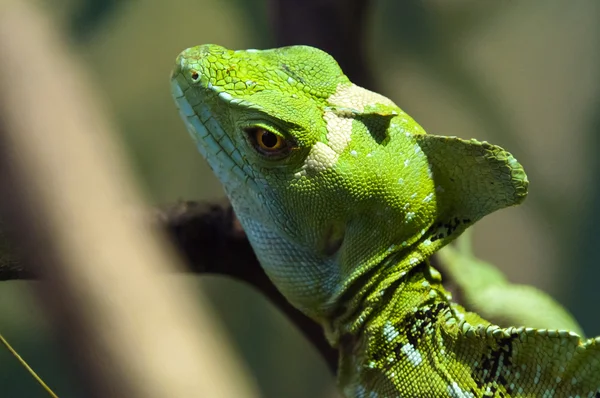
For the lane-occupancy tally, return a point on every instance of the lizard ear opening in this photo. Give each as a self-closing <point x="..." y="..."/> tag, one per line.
<point x="472" y="179"/>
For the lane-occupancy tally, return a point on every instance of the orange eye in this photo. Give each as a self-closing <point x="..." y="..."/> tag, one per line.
<point x="268" y="141"/>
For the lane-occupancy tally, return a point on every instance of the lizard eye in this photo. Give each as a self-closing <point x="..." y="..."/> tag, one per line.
<point x="267" y="142"/>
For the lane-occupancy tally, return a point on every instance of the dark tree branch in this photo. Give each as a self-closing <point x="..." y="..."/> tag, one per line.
<point x="10" y="266"/>
<point x="212" y="241"/>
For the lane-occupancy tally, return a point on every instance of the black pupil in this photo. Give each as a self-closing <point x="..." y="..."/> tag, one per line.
<point x="269" y="139"/>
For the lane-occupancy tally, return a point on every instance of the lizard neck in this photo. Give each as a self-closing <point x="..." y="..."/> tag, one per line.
<point x="383" y="294"/>
<point x="388" y="325"/>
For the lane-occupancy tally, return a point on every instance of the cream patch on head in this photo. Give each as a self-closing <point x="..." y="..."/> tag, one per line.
<point x="356" y="97"/>
<point x="339" y="131"/>
<point x="324" y="156"/>
<point x="320" y="158"/>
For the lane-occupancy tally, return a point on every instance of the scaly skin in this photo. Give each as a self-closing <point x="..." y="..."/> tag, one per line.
<point x="344" y="197"/>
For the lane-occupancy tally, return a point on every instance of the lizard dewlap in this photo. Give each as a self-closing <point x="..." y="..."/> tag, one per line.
<point x="344" y="197"/>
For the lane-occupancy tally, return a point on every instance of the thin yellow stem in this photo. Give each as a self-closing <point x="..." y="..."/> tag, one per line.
<point x="26" y="366"/>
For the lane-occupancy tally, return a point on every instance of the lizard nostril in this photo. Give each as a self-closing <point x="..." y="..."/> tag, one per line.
<point x="195" y="76"/>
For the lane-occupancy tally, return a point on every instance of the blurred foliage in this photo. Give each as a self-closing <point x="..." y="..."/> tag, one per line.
<point x="524" y="75"/>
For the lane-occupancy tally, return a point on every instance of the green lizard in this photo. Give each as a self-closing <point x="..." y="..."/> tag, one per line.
<point x="344" y="197"/>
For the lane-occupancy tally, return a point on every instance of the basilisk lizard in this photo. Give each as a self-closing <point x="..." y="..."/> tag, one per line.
<point x="344" y="197"/>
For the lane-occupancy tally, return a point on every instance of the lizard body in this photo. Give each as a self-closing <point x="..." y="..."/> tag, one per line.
<point x="344" y="197"/>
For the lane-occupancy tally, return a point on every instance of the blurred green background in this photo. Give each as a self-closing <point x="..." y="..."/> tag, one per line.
<point x="525" y="75"/>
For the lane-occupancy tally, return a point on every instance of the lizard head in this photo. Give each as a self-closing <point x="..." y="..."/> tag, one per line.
<point x="328" y="179"/>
